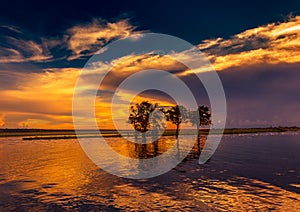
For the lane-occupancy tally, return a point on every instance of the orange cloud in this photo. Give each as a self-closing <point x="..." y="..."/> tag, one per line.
<point x="273" y="43"/>
<point x="90" y="37"/>
<point x="269" y="44"/>
<point x="82" y="40"/>
<point x="42" y="99"/>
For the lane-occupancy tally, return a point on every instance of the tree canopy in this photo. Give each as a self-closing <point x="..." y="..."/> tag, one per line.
<point x="140" y="113"/>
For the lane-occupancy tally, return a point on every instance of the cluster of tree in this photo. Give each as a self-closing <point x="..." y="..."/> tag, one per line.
<point x="139" y="116"/>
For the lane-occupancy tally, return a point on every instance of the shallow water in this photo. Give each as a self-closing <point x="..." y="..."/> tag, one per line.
<point x="257" y="172"/>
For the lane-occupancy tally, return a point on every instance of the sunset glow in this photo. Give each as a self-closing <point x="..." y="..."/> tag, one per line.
<point x="43" y="98"/>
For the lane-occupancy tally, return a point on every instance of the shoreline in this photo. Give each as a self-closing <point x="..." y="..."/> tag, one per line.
<point x="31" y="134"/>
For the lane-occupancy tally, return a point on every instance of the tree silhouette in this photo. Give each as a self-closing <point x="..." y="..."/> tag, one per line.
<point x="139" y="115"/>
<point x="200" y="117"/>
<point x="142" y="120"/>
<point x="204" y="115"/>
<point x="157" y="122"/>
<point x="176" y="114"/>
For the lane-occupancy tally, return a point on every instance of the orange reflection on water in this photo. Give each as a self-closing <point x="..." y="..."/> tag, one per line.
<point x="57" y="175"/>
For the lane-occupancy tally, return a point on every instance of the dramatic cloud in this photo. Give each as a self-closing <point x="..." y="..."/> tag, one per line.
<point x="270" y="44"/>
<point x="18" y="48"/>
<point x="46" y="95"/>
<point x="260" y="73"/>
<point x="83" y="40"/>
<point x="88" y="38"/>
<point x="23" y="51"/>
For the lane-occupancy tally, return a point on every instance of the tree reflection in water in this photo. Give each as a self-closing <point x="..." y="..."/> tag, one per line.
<point x="143" y="150"/>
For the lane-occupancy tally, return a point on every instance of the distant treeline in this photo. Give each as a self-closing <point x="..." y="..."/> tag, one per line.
<point x="226" y="131"/>
<point x="20" y="130"/>
<point x="27" y="130"/>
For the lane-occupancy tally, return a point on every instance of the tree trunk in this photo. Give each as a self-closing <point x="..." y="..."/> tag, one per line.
<point x="144" y="141"/>
<point x="198" y="131"/>
<point x="177" y="130"/>
<point x="198" y="139"/>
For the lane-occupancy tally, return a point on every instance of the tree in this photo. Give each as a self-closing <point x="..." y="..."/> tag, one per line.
<point x="157" y="122"/>
<point x="140" y="114"/>
<point x="176" y="114"/>
<point x="204" y="115"/>
<point x="200" y="117"/>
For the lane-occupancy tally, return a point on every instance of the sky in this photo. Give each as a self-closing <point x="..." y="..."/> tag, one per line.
<point x="254" y="46"/>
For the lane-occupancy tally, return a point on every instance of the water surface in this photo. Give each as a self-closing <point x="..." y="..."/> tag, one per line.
<point x="257" y="172"/>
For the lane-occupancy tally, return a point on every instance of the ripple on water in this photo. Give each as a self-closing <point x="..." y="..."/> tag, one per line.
<point x="241" y="176"/>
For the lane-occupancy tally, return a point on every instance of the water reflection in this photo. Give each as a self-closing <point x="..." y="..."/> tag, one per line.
<point x="247" y="173"/>
<point x="142" y="149"/>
